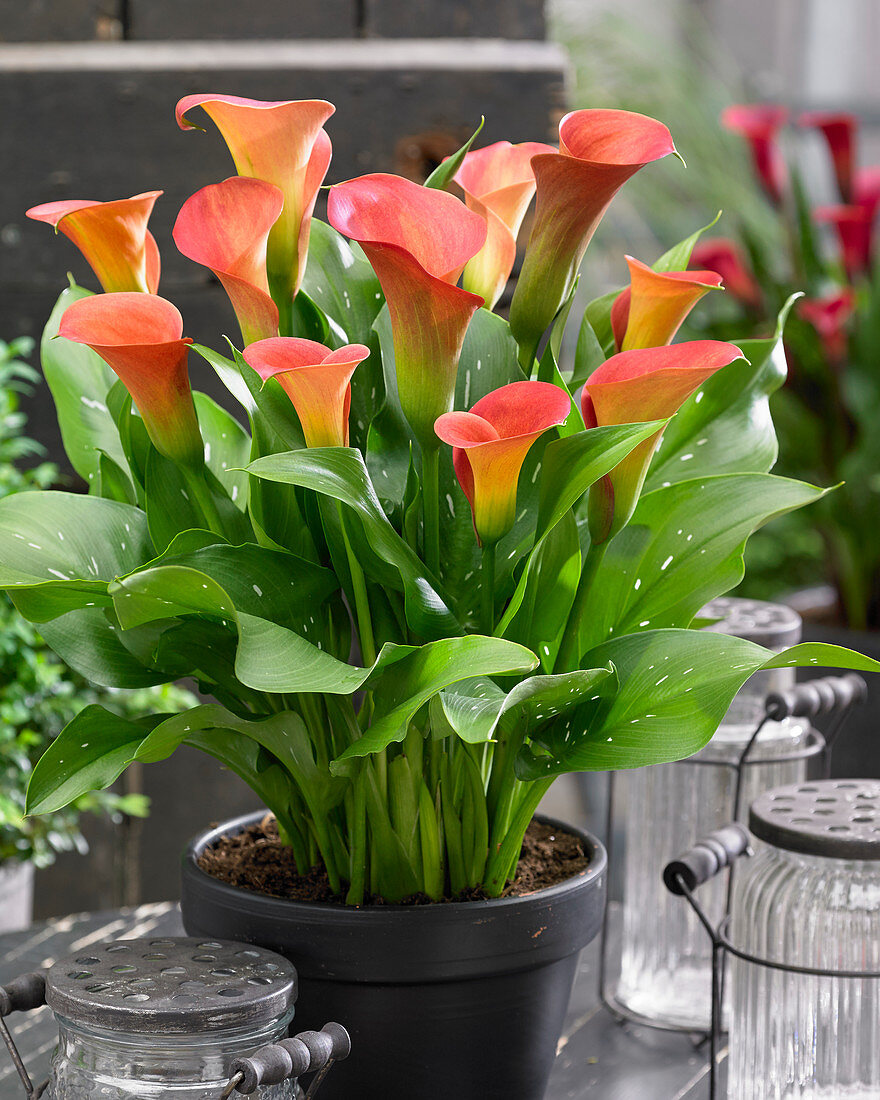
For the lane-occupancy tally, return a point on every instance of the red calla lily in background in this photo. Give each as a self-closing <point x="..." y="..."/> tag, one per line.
<point x="598" y="152"/>
<point x="866" y="189"/>
<point x="140" y="337"/>
<point x="853" y="226"/>
<point x="112" y="236"/>
<point x="839" y="129"/>
<point x="317" y="381"/>
<point x="418" y="240"/>
<point x="759" y="124"/>
<point x="635" y="386"/>
<point x="225" y="227"/>
<point x="282" y="143"/>
<point x="829" y="317"/>
<point x="490" y="444"/>
<point x="498" y="184"/>
<point x="725" y="257"/>
<point x="650" y="311"/>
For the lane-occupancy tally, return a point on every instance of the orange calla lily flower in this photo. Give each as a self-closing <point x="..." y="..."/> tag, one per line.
<point x="829" y="316"/>
<point x="317" y="381"/>
<point x="725" y="257"/>
<point x="853" y="226"/>
<point x="140" y="337"/>
<point x="418" y="240"/>
<point x="839" y="130"/>
<point x="598" y="152"/>
<point x="650" y="311"/>
<point x="635" y="386"/>
<point x="225" y="227"/>
<point x="282" y="143"/>
<point x="759" y="124"/>
<point x="490" y="444"/>
<point x="498" y="184"/>
<point x="112" y="236"/>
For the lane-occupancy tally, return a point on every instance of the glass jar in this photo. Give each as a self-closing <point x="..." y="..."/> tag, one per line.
<point x="810" y="897"/>
<point x="666" y="958"/>
<point x="165" y="1018"/>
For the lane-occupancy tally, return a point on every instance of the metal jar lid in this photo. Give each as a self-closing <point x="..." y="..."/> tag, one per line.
<point x="173" y="985"/>
<point x="773" y="625"/>
<point x="835" y="818"/>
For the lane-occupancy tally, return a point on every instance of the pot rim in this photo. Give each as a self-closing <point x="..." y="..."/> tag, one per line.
<point x="593" y="873"/>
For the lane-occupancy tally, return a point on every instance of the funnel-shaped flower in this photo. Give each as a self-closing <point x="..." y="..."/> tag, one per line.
<point x="634" y="386"/>
<point x="317" y="381"/>
<point x="112" y="236"/>
<point x="853" y="227"/>
<point x="490" y="444"/>
<point x="225" y="227"/>
<point x="498" y="184"/>
<point x="650" y="311"/>
<point x="759" y="123"/>
<point x="282" y="143"/>
<point x="598" y="152"/>
<point x="724" y="257"/>
<point x="139" y="337"/>
<point x="829" y="317"/>
<point x="839" y="130"/>
<point x="418" y="240"/>
<point x="866" y="189"/>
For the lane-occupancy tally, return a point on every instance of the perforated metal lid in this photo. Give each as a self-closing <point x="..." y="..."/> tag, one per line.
<point x="837" y="818"/>
<point x="175" y="986"/>
<point x="769" y="624"/>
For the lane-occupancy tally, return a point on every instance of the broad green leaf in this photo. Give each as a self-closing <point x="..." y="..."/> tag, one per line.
<point x="674" y="687"/>
<point x="442" y="175"/>
<point x="172" y="509"/>
<point x="340" y="280"/>
<point x="678" y="257"/>
<point x="88" y="640"/>
<point x="548" y="371"/>
<point x="598" y="314"/>
<point x="682" y="548"/>
<point x="725" y="426"/>
<point x="80" y="380"/>
<point x="403" y="687"/>
<point x="111" y="482"/>
<point x="588" y="355"/>
<point x="340" y="473"/>
<point x="59" y="550"/>
<point x="227" y="448"/>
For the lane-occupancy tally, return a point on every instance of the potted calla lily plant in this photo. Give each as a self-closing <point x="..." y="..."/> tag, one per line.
<point x="426" y="579"/>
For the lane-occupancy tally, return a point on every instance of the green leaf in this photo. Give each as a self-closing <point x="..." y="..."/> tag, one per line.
<point x="588" y="355"/>
<point x="725" y="426"/>
<point x="414" y="677"/>
<point x="598" y="314"/>
<point x="682" y="548"/>
<point x="340" y="280"/>
<point x="442" y="175"/>
<point x="548" y="371"/>
<point x="340" y="473"/>
<point x="227" y="448"/>
<point x="88" y="641"/>
<point x="674" y="688"/>
<point x="678" y="257"/>
<point x="59" y="550"/>
<point x="112" y="482"/>
<point x="171" y="508"/>
<point x="80" y="381"/>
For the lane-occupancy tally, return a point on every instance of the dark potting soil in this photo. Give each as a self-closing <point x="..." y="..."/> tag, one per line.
<point x="255" y="859"/>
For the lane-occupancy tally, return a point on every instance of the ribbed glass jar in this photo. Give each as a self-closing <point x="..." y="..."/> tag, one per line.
<point x="805" y="1036"/>
<point x="666" y="956"/>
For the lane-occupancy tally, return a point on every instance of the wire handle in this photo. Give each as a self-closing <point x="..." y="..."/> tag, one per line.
<point x="708" y="856"/>
<point x="21" y="995"/>
<point x="307" y="1052"/>
<point x="816" y="697"/>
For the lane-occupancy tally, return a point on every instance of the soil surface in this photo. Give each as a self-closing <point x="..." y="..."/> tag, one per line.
<point x="257" y="860"/>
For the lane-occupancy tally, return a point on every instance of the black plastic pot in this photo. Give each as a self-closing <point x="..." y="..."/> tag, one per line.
<point x="463" y="1001"/>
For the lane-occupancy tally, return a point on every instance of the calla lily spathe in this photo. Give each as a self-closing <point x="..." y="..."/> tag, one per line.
<point x="140" y="336"/>
<point x="723" y="256"/>
<point x="599" y="150"/>
<point x="866" y="189"/>
<point x="418" y="240"/>
<point x="853" y="226"/>
<point x="650" y="311"/>
<point x="839" y="130"/>
<point x="498" y="184"/>
<point x="225" y="227"/>
<point x="317" y="381"/>
<point x="830" y="316"/>
<point x="490" y="444"/>
<point x="283" y="143"/>
<point x="759" y="123"/>
<point x="112" y="236"/>
<point x="634" y="386"/>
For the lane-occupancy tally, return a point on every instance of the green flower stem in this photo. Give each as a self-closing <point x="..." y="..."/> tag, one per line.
<point x="452" y="829"/>
<point x="569" y="656"/>
<point x="487" y="589"/>
<point x="501" y="861"/>
<point x="361" y="602"/>
<point x="197" y="483"/>
<point x="431" y="507"/>
<point x="429" y="838"/>
<point x="358" y="833"/>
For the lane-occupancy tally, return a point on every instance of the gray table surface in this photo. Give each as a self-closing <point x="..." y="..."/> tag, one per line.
<point x="598" y="1058"/>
